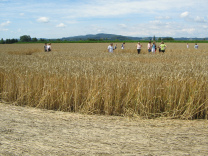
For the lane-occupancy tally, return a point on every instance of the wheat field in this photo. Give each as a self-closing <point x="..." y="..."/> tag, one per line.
<point x="85" y="78"/>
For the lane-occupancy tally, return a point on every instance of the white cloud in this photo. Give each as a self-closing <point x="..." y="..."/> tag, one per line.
<point x="97" y="29"/>
<point x="163" y="17"/>
<point x="5" y="23"/>
<point x="200" y="19"/>
<point x="190" y="30"/>
<point x="156" y="22"/>
<point x="4" y="29"/>
<point x="111" y="8"/>
<point x="123" y="25"/>
<point x="184" y="14"/>
<point x="145" y="17"/>
<point x="61" y="25"/>
<point x="43" y="19"/>
<point x="163" y="29"/>
<point x="72" y="22"/>
<point x="205" y="26"/>
<point x="190" y="18"/>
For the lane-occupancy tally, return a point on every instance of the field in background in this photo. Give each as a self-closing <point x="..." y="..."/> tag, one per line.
<point x="86" y="78"/>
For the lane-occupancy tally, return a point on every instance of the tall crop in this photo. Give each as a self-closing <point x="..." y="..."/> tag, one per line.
<point x="86" y="78"/>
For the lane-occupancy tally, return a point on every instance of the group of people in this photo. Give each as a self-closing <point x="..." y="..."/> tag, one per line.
<point x="195" y="46"/>
<point x="111" y="48"/>
<point x="151" y="47"/>
<point x="47" y="47"/>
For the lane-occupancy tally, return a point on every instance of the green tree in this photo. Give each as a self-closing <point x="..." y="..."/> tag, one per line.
<point x="34" y="39"/>
<point x="8" y="41"/>
<point x="42" y="40"/>
<point x="14" y="40"/>
<point x="2" y="41"/>
<point x="25" y="38"/>
<point x="168" y="38"/>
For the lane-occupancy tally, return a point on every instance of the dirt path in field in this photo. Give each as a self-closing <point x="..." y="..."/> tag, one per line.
<point x="30" y="131"/>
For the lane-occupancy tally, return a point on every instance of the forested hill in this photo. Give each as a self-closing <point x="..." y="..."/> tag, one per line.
<point x="101" y="37"/>
<point x="114" y="37"/>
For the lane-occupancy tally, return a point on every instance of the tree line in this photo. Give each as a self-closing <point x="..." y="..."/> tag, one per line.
<point x="8" y="41"/>
<point x="24" y="38"/>
<point x="28" y="39"/>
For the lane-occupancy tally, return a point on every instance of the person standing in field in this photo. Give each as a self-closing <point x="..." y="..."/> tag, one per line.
<point x="163" y="47"/>
<point x="49" y="47"/>
<point x="139" y="46"/>
<point x="153" y="47"/>
<point x="122" y="46"/>
<point x="196" y="46"/>
<point x="187" y="45"/>
<point x="159" y="49"/>
<point x="45" y="47"/>
<point x="149" y="47"/>
<point x="115" y="47"/>
<point x="110" y="48"/>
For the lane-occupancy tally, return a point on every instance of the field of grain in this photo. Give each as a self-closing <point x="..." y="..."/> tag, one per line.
<point x="85" y="78"/>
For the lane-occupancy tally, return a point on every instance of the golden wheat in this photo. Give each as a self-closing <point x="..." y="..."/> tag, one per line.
<point x="86" y="78"/>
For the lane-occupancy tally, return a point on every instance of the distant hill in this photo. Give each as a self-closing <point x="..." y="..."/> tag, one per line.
<point x="101" y="37"/>
<point x="191" y="39"/>
<point x="113" y="37"/>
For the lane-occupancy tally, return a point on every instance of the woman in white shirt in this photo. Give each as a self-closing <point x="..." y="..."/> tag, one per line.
<point x="49" y="47"/>
<point x="149" y="47"/>
<point x="139" y="46"/>
<point x="110" y="48"/>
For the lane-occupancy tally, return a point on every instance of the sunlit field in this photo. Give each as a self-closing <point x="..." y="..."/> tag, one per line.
<point x="85" y="78"/>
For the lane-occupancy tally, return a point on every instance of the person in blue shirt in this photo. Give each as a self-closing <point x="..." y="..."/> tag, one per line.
<point x="153" y="47"/>
<point x="196" y="46"/>
<point x="122" y="46"/>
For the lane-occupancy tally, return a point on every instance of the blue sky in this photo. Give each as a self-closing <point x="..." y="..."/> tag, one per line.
<point x="138" y="18"/>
